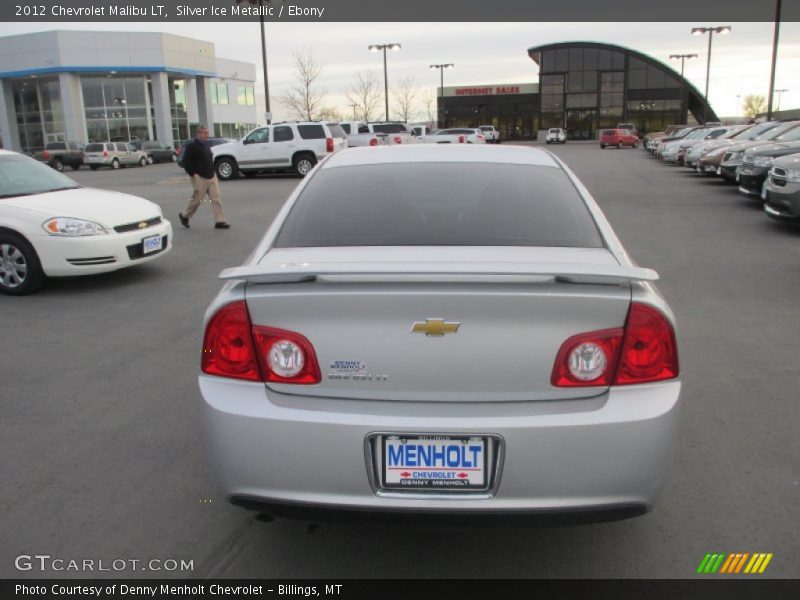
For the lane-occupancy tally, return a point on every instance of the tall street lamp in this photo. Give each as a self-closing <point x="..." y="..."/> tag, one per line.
<point x="779" y="92"/>
<point x="775" y="35"/>
<point x="440" y="113"/>
<point x="710" y="31"/>
<point x="384" y="48"/>
<point x="682" y="58"/>
<point x="354" y="107"/>
<point x="260" y="4"/>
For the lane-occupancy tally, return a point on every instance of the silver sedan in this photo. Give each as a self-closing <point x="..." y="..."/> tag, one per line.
<point x="446" y="330"/>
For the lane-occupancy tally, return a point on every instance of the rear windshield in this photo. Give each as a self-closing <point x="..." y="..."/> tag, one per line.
<point x="389" y="128"/>
<point x="56" y="146"/>
<point x="337" y="131"/>
<point x="94" y="148"/>
<point x="555" y="131"/>
<point x="485" y="128"/>
<point x="311" y="132"/>
<point x="346" y="128"/>
<point x="450" y="204"/>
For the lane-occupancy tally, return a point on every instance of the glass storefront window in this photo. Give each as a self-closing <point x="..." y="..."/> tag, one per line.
<point x="116" y="108"/>
<point x="251" y="98"/>
<point x="241" y="95"/>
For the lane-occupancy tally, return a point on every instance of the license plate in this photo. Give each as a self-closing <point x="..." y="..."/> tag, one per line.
<point x="95" y="158"/>
<point x="152" y="244"/>
<point x="431" y="463"/>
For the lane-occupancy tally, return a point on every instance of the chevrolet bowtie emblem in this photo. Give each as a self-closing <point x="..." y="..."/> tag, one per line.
<point x="143" y="224"/>
<point x="435" y="327"/>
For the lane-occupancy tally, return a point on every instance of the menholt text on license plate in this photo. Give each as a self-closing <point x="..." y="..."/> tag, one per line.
<point x="434" y="462"/>
<point x="152" y="244"/>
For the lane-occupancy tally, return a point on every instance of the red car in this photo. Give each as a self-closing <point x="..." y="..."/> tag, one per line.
<point x="619" y="138"/>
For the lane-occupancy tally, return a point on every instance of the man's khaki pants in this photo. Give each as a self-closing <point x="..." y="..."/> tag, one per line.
<point x="200" y="187"/>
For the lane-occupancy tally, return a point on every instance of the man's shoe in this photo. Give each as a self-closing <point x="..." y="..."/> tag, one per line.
<point x="184" y="220"/>
<point x="222" y="225"/>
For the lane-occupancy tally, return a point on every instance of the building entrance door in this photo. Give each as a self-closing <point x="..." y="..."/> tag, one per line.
<point x="581" y="124"/>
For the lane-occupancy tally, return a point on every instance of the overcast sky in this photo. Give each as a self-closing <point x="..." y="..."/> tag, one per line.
<point x="486" y="53"/>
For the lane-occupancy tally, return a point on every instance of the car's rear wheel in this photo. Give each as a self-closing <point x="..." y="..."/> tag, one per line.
<point x="150" y="159"/>
<point x="143" y="162"/>
<point x="20" y="271"/>
<point x="620" y="145"/>
<point x="94" y="167"/>
<point x="115" y="163"/>
<point x="602" y="146"/>
<point x="57" y="164"/>
<point x="303" y="163"/>
<point x="227" y="168"/>
<point x="75" y="166"/>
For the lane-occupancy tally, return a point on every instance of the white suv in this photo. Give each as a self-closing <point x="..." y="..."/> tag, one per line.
<point x="279" y="147"/>
<point x="556" y="135"/>
<point x="491" y="134"/>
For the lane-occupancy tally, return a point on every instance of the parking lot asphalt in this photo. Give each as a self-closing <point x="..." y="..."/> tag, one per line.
<point x="101" y="437"/>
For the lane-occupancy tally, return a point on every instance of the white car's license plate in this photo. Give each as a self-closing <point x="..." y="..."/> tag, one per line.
<point x="94" y="158"/>
<point x="434" y="462"/>
<point x="152" y="244"/>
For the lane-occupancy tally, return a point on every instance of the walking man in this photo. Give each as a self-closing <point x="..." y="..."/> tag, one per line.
<point x="198" y="162"/>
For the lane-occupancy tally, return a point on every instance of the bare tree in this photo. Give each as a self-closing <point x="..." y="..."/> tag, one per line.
<point x="754" y="105"/>
<point x="304" y="98"/>
<point x="365" y="94"/>
<point x="429" y="103"/>
<point x="405" y="95"/>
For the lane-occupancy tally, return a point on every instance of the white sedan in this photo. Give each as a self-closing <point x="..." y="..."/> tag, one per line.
<point x="51" y="226"/>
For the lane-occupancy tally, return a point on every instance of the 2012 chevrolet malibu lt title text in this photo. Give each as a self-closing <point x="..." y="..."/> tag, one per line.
<point x="477" y="343"/>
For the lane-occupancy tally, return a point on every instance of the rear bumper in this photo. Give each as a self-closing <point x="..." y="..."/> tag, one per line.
<point x="597" y="454"/>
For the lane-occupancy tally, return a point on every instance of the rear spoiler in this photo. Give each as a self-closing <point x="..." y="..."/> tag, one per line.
<point x="460" y="272"/>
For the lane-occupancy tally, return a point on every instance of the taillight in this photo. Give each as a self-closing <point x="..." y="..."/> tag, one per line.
<point x="234" y="348"/>
<point x="373" y="142"/>
<point x="46" y="154"/>
<point x="105" y="153"/>
<point x="329" y="144"/>
<point x="461" y="139"/>
<point x="649" y="351"/>
<point x="286" y="356"/>
<point x="644" y="351"/>
<point x="228" y="349"/>
<point x="587" y="359"/>
<point x="398" y="139"/>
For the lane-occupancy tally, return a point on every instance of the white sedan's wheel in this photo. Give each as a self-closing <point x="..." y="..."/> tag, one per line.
<point x="20" y="272"/>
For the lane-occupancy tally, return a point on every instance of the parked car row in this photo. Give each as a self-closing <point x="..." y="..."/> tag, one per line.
<point x="763" y="160"/>
<point x="114" y="155"/>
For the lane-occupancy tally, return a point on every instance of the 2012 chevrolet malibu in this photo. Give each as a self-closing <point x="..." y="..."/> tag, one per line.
<point x="478" y="343"/>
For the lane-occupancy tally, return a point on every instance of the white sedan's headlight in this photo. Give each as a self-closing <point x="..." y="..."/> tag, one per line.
<point x="67" y="226"/>
<point x="762" y="161"/>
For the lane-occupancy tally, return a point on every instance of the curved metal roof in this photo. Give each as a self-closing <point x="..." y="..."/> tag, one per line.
<point x="696" y="100"/>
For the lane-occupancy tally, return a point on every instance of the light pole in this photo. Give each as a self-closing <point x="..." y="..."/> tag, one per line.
<point x="779" y="92"/>
<point x="682" y="58"/>
<point x="440" y="113"/>
<point x="385" y="47"/>
<point x="260" y="4"/>
<point x="775" y="36"/>
<point x="354" y="107"/>
<point x="722" y="30"/>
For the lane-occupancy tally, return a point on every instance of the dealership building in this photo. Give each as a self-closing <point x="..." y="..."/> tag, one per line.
<point x="582" y="87"/>
<point x="116" y="86"/>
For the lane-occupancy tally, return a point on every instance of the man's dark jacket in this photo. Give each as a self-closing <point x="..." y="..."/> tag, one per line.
<point x="197" y="159"/>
